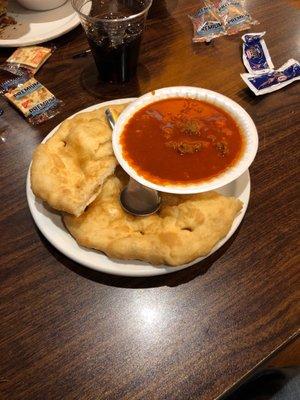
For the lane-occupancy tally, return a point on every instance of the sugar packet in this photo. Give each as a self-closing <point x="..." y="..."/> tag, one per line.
<point x="273" y="80"/>
<point x="31" y="98"/>
<point x="256" y="56"/>
<point x="206" y="22"/>
<point x="234" y="15"/>
<point x="27" y="59"/>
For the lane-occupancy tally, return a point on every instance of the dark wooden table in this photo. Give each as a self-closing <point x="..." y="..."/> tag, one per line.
<point x="70" y="333"/>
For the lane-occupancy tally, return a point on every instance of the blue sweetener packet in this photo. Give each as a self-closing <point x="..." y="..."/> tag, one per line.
<point x="273" y="80"/>
<point x="256" y="56"/>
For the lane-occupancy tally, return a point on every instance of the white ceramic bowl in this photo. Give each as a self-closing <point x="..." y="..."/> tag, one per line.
<point x="241" y="117"/>
<point x="41" y="5"/>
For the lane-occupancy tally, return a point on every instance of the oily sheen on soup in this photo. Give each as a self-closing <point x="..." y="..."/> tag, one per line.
<point x="181" y="140"/>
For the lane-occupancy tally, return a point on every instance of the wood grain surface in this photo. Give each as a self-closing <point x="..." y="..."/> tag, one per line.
<point x="68" y="332"/>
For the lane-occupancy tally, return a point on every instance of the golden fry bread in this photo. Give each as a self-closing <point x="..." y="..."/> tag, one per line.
<point x="69" y="169"/>
<point x="185" y="228"/>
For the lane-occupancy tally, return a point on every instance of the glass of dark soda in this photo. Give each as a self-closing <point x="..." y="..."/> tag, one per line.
<point x="114" y="31"/>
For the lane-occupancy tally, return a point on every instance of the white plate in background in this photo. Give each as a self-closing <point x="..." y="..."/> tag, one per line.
<point x="35" y="27"/>
<point x="50" y="224"/>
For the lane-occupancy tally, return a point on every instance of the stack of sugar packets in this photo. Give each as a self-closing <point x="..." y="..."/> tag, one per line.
<point x="262" y="77"/>
<point x="29" y="96"/>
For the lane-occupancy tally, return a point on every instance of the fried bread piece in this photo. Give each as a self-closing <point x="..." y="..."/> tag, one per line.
<point x="185" y="228"/>
<point x="69" y="169"/>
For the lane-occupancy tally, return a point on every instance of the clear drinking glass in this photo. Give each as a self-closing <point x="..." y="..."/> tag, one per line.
<point x="114" y="31"/>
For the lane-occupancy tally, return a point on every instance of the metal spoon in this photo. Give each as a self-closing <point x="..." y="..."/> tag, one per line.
<point x="136" y="199"/>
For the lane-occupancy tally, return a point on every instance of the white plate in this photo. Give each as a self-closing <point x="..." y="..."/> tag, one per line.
<point x="50" y="224"/>
<point x="35" y="27"/>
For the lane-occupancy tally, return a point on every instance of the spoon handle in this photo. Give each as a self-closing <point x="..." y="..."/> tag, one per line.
<point x="110" y="118"/>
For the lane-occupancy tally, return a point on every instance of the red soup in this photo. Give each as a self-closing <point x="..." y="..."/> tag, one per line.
<point x="180" y="140"/>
